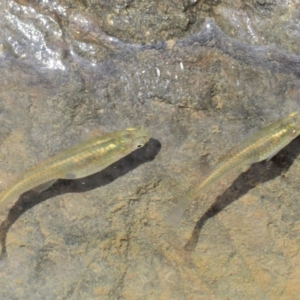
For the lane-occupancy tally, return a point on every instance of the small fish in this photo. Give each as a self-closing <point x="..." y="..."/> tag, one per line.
<point x="262" y="145"/>
<point x="79" y="161"/>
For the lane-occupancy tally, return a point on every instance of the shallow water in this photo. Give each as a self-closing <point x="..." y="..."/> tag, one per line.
<point x="201" y="77"/>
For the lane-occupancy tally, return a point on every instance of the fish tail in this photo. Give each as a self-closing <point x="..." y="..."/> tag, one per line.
<point x="174" y="217"/>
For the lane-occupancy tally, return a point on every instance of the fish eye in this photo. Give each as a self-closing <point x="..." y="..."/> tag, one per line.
<point x="139" y="146"/>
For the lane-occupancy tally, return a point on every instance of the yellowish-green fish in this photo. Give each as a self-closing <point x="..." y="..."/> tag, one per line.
<point x="262" y="145"/>
<point x="79" y="161"/>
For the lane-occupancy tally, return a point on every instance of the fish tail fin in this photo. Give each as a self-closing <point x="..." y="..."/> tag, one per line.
<point x="174" y="217"/>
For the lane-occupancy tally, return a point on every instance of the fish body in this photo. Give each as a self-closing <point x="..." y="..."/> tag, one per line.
<point x="262" y="145"/>
<point x="79" y="161"/>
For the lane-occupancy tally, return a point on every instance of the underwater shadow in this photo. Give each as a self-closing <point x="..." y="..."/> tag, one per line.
<point x="62" y="186"/>
<point x="258" y="173"/>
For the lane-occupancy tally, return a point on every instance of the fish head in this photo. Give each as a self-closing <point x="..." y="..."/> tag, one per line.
<point x="293" y="124"/>
<point x="137" y="137"/>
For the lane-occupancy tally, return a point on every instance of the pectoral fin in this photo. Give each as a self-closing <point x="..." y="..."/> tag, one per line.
<point x="44" y="186"/>
<point x="70" y="176"/>
<point x="271" y="155"/>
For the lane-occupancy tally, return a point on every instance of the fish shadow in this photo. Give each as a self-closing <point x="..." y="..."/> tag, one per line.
<point x="62" y="186"/>
<point x="258" y="173"/>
